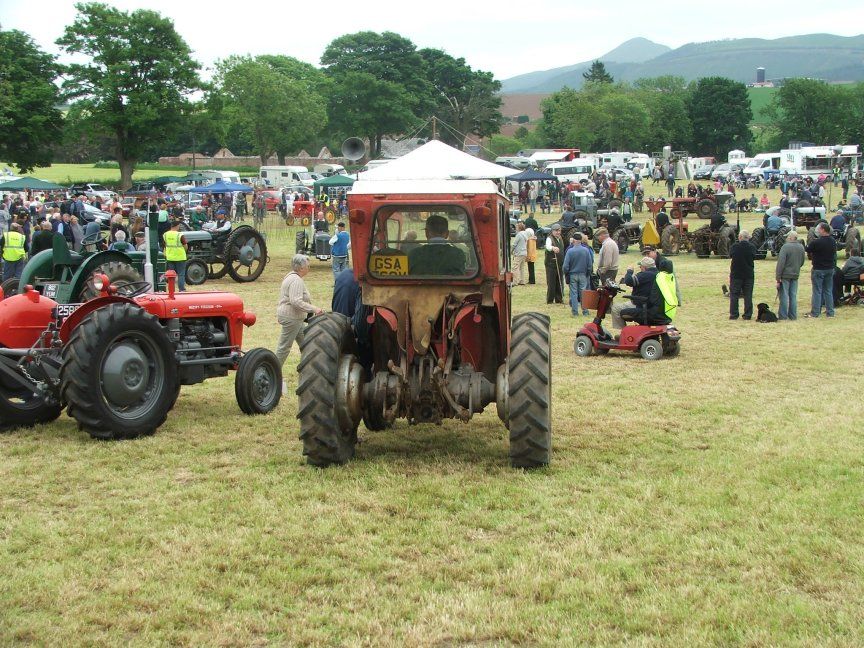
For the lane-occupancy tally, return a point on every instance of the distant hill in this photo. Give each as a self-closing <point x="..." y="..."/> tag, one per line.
<point x="825" y="56"/>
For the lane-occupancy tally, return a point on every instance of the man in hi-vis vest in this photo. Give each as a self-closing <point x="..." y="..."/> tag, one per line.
<point x="13" y="245"/>
<point x="175" y="253"/>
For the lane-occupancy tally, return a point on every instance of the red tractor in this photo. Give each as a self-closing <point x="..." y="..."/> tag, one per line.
<point x="434" y="337"/>
<point x="117" y="362"/>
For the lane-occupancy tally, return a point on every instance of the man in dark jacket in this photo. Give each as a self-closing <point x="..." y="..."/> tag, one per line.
<point x="554" y="263"/>
<point x="741" y="275"/>
<point x="823" y="254"/>
<point x="43" y="239"/>
<point x="645" y="290"/>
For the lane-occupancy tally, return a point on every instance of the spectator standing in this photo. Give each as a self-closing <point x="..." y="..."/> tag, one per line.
<point x="742" y="275"/>
<point x="789" y="263"/>
<point x="532" y="198"/>
<point x="823" y="255"/>
<point x="77" y="233"/>
<point x="577" y="271"/>
<point x="295" y="305"/>
<point x="531" y="254"/>
<point x="13" y="249"/>
<point x="175" y="252"/>
<point x="553" y="263"/>
<point x="43" y="239"/>
<point x="609" y="257"/>
<point x="340" y="243"/>
<point x="520" y="254"/>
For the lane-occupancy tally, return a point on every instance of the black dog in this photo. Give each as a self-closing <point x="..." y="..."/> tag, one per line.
<point x="764" y="314"/>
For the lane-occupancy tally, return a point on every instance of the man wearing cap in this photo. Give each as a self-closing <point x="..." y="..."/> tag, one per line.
<point x="643" y="283"/>
<point x="608" y="259"/>
<point x="577" y="270"/>
<point x="340" y="243"/>
<point x="13" y="249"/>
<point x="554" y="263"/>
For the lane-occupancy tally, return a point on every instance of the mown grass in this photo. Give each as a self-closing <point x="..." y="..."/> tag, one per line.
<point x="714" y="499"/>
<point x="68" y="174"/>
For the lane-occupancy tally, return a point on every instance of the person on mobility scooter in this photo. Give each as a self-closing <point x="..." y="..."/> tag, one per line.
<point x="650" y="310"/>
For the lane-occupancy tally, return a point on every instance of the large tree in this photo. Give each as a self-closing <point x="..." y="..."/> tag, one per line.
<point x="720" y="114"/>
<point x="665" y="98"/>
<point x="29" y="119"/>
<point x="597" y="73"/>
<point x="136" y="79"/>
<point x="386" y="62"/>
<point x="810" y="110"/>
<point x="465" y="99"/>
<point x="277" y="107"/>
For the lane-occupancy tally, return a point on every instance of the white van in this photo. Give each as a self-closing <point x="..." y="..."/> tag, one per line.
<point x="374" y="164"/>
<point x="281" y="176"/>
<point x="813" y="161"/>
<point x="327" y="170"/>
<point x="221" y="176"/>
<point x="763" y="164"/>
<point x="574" y="170"/>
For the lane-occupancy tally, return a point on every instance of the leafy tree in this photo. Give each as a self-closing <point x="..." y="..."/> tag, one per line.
<point x="597" y="73"/>
<point x="466" y="99"/>
<point x="135" y="83"/>
<point x="809" y="110"/>
<point x="720" y="114"/>
<point x="503" y="145"/>
<point x="665" y="98"/>
<point x="626" y="122"/>
<point x="276" y="106"/>
<point x="392" y="66"/>
<point x="29" y="120"/>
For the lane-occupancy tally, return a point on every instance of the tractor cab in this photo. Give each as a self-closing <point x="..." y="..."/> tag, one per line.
<point x="433" y="338"/>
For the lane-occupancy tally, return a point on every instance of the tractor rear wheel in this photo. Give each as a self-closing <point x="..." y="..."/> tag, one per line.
<point x="622" y="240"/>
<point x="670" y="240"/>
<point x="119" y="374"/>
<point x="529" y="386"/>
<point x="258" y="383"/>
<point x="118" y="274"/>
<point x="757" y="238"/>
<point x="216" y="270"/>
<point x="853" y="242"/>
<point x="21" y="407"/>
<point x="328" y="436"/>
<point x="9" y="287"/>
<point x="779" y="240"/>
<point x="196" y="272"/>
<point x="245" y="254"/>
<point x="725" y="238"/>
<point x="705" y="208"/>
<point x="702" y="242"/>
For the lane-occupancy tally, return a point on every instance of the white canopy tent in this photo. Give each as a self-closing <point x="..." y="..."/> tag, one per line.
<point x="437" y="161"/>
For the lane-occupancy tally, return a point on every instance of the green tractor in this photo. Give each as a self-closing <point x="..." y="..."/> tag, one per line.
<point x="67" y="277"/>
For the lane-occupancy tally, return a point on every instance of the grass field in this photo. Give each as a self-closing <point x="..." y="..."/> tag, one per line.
<point x="713" y="499"/>
<point x="759" y="99"/>
<point x="71" y="173"/>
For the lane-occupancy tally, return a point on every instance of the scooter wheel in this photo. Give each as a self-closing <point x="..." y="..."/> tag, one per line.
<point x="583" y="346"/>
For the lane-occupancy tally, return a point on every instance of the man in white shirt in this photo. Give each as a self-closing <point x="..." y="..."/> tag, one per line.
<point x="608" y="259"/>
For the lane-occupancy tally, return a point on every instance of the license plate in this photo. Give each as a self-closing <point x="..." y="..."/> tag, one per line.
<point x="50" y="290"/>
<point x="390" y="264"/>
<point x="65" y="310"/>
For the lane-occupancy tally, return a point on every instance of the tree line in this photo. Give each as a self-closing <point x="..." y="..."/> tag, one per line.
<point x="137" y="94"/>
<point x="710" y="116"/>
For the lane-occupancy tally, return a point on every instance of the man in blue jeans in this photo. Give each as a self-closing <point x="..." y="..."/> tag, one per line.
<point x="823" y="255"/>
<point x="577" y="268"/>
<point x="789" y="263"/>
<point x="340" y="242"/>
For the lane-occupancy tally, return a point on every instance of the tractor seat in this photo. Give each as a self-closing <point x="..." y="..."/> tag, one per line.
<point x="62" y="255"/>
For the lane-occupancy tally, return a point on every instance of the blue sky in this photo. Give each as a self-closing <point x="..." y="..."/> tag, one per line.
<point x="508" y="38"/>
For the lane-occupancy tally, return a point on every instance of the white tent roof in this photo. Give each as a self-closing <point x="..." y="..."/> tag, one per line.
<point x="437" y="161"/>
<point x="426" y="187"/>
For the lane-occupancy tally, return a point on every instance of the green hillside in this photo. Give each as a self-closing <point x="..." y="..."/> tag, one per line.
<point x="759" y="98"/>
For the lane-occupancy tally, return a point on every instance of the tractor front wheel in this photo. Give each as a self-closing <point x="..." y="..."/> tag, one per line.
<point x="9" y="287"/>
<point x="327" y="364"/>
<point x="196" y="272"/>
<point x="529" y="387"/>
<point x="119" y="374"/>
<point x="258" y="383"/>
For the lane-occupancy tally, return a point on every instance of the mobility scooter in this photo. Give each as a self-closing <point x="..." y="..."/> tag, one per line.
<point x="650" y="338"/>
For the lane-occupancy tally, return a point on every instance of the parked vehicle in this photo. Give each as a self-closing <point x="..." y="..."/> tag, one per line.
<point x="573" y="171"/>
<point x="280" y="176"/>
<point x="214" y="175"/>
<point x="93" y="191"/>
<point x="763" y="165"/>
<point x="327" y="170"/>
<point x="704" y="172"/>
<point x="813" y="161"/>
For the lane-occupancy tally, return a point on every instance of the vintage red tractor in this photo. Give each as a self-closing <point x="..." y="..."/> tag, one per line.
<point x="117" y="362"/>
<point x="434" y="337"/>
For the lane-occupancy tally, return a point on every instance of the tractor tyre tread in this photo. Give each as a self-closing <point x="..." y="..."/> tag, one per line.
<point x="229" y="245"/>
<point x="116" y="271"/>
<point x="530" y="394"/>
<point x="243" y="381"/>
<point x="324" y="341"/>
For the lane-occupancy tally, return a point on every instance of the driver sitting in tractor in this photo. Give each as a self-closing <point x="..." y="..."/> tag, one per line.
<point x="773" y="223"/>
<point x="613" y="221"/>
<point x="838" y="222"/>
<point x="320" y="223"/>
<point x="437" y="257"/>
<point x="718" y="220"/>
<point x="645" y="291"/>
<point x="662" y="220"/>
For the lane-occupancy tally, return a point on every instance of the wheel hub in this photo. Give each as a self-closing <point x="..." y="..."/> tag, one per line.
<point x="126" y="374"/>
<point x="262" y="385"/>
<point x="246" y="255"/>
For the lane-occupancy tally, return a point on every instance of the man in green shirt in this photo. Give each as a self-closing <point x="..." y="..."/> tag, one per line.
<point x="437" y="257"/>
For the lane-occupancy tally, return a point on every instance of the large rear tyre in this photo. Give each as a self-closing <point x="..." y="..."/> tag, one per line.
<point x="853" y="242"/>
<point x="119" y="374"/>
<point x="529" y="402"/>
<point x="757" y="238"/>
<point x="216" y="270"/>
<point x="258" y="383"/>
<point x="622" y="240"/>
<point x="245" y="254"/>
<point x="725" y="238"/>
<point x="118" y="274"/>
<point x="705" y="208"/>
<point x="670" y="240"/>
<point x="328" y="436"/>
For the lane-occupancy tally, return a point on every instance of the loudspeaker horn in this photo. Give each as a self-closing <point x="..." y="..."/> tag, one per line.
<point x="353" y="148"/>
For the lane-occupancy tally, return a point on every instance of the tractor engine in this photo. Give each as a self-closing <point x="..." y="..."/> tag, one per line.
<point x="198" y="341"/>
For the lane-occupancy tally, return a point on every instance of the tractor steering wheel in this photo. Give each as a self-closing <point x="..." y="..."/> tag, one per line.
<point x="133" y="288"/>
<point x="93" y="239"/>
